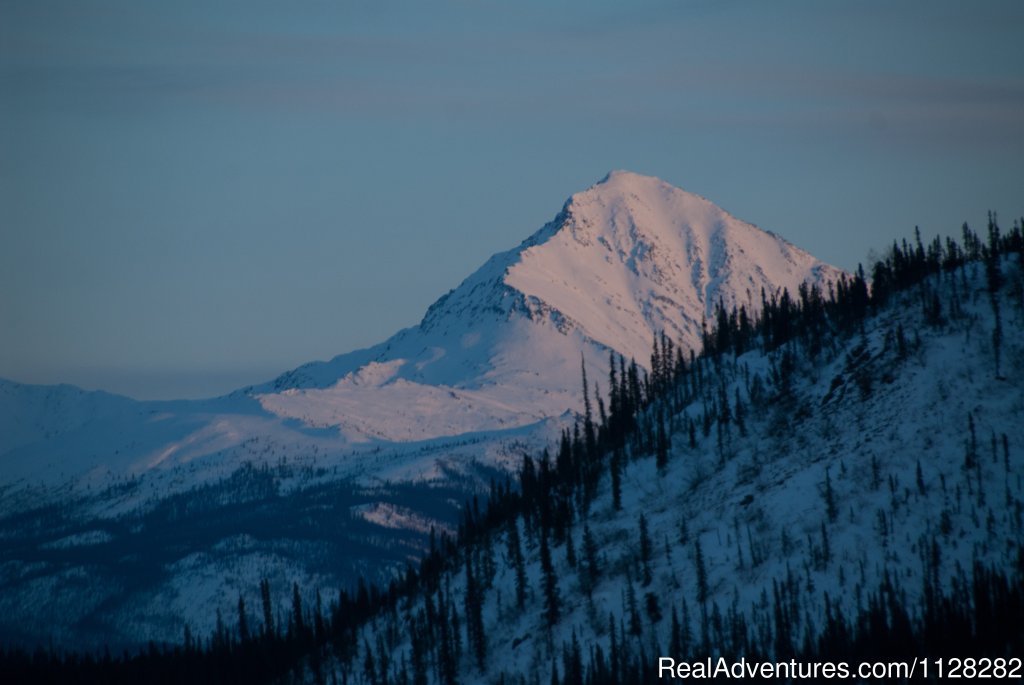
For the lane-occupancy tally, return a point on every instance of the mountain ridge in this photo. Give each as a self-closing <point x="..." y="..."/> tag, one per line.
<point x="520" y="280"/>
<point x="625" y="260"/>
<point x="412" y="425"/>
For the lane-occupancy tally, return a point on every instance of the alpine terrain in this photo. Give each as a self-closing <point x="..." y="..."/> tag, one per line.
<point x="125" y="521"/>
<point x="834" y="479"/>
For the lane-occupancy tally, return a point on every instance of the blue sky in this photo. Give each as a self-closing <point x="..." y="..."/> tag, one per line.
<point x="196" y="196"/>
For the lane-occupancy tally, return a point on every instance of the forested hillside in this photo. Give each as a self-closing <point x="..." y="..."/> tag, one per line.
<point x="838" y="476"/>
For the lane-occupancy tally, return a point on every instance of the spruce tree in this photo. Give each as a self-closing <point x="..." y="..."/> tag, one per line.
<point x="369" y="665"/>
<point x="319" y="627"/>
<point x="591" y="566"/>
<point x="645" y="551"/>
<point x="268" y="611"/>
<point x="418" y="658"/>
<point x="653" y="607"/>
<point x="739" y="415"/>
<point x="297" y="620"/>
<point x="590" y="441"/>
<point x="685" y="636"/>
<point x="997" y="335"/>
<point x="971" y="453"/>
<point x="1006" y="454"/>
<point x="447" y="653"/>
<point x="826" y="549"/>
<point x="243" y="621"/>
<point x="573" y="663"/>
<point x="474" y="615"/>
<point x="675" y="640"/>
<point x="661" y="443"/>
<point x="219" y="633"/>
<point x="616" y="469"/>
<point x="613" y="649"/>
<point x="455" y="633"/>
<point x="635" y="627"/>
<point x="551" y="598"/>
<point x="515" y="553"/>
<point x="831" y="509"/>
<point x="702" y="573"/>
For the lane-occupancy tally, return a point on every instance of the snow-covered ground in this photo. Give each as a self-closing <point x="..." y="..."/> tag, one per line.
<point x="492" y="371"/>
<point x="889" y="434"/>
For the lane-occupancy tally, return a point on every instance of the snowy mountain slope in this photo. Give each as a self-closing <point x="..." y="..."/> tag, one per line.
<point x="634" y="257"/>
<point x="897" y="462"/>
<point x="489" y="374"/>
<point x="623" y="261"/>
<point x="31" y="413"/>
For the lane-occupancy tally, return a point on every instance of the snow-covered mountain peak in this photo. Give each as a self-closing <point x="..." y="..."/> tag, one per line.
<point x="630" y="191"/>
<point x="633" y="256"/>
<point x="623" y="261"/>
<point x="623" y="180"/>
